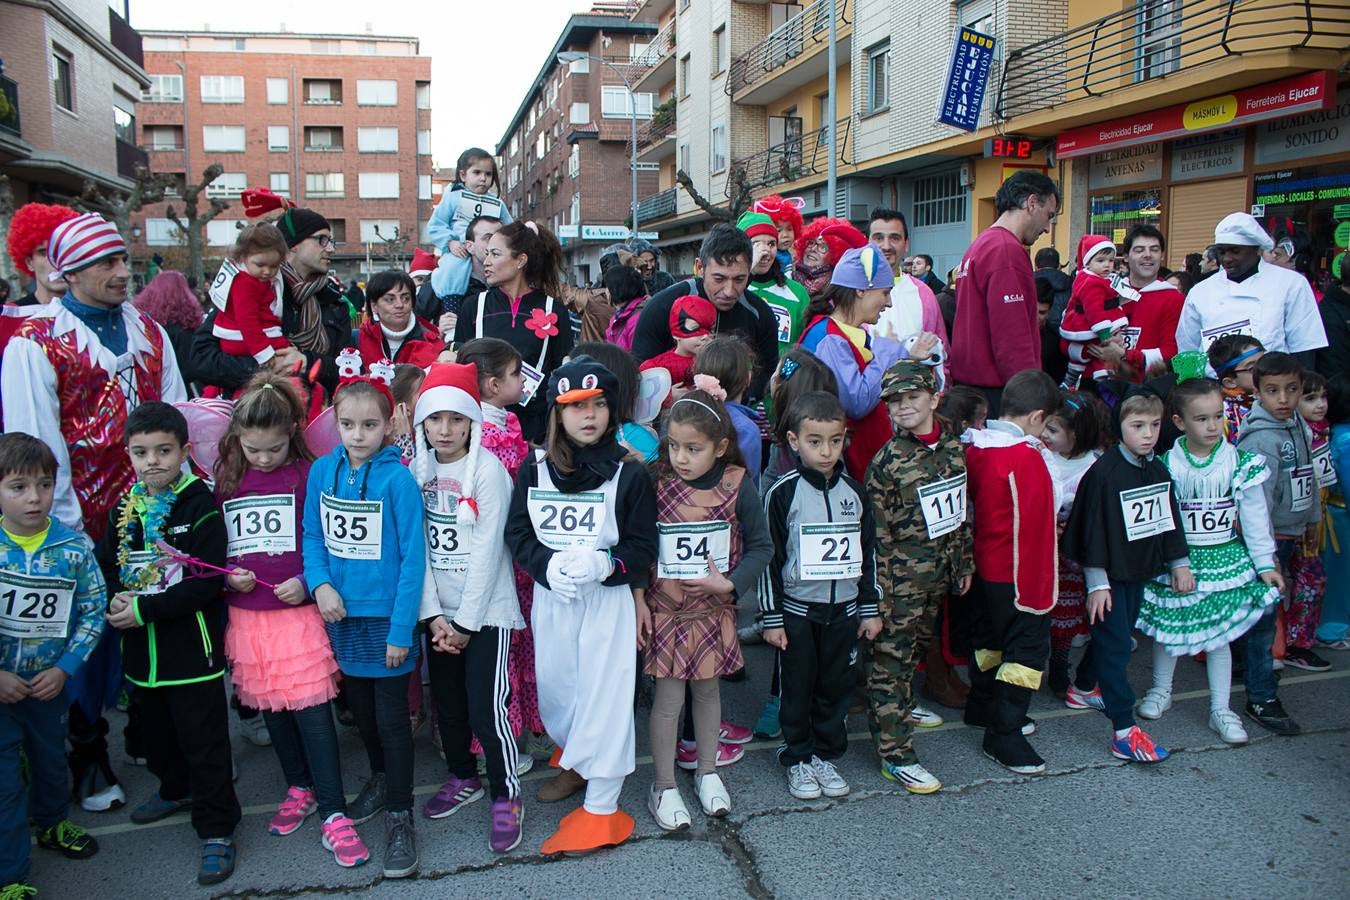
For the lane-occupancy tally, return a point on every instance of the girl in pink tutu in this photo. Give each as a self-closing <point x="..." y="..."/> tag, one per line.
<point x="281" y="659"/>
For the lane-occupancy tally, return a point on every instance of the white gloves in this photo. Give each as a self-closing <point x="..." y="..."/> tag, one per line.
<point x="586" y="566"/>
<point x="561" y="583"/>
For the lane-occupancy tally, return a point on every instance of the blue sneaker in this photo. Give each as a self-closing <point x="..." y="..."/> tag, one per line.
<point x="766" y="726"/>
<point x="1137" y="746"/>
<point x="1079" y="699"/>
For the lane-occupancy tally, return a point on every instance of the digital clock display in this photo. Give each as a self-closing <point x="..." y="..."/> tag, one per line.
<point x="1008" y="147"/>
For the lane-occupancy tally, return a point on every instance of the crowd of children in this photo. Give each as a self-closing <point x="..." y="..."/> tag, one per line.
<point x="534" y="577"/>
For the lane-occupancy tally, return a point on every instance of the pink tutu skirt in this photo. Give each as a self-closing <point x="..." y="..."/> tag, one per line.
<point x="280" y="659"/>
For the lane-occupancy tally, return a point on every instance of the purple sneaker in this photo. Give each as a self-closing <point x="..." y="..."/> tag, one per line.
<point x="454" y="795"/>
<point x="507" y="816"/>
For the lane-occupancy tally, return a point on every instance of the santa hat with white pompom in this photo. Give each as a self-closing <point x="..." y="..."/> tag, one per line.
<point x="449" y="387"/>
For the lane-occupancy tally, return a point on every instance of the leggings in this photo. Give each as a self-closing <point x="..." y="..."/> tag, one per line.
<point x="667" y="702"/>
<point x="1218" y="668"/>
<point x="305" y="742"/>
<point x="380" y="706"/>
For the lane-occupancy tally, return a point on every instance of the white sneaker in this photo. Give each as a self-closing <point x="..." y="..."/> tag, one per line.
<point x="668" y="809"/>
<point x="111" y="797"/>
<point x="1226" y="724"/>
<point x="712" y="794"/>
<point x="832" y="784"/>
<point x="1156" y="702"/>
<point x="524" y="763"/>
<point x="802" y="782"/>
<point x="1276" y="665"/>
<point x="255" y="732"/>
<point x="914" y="777"/>
<point x="923" y="717"/>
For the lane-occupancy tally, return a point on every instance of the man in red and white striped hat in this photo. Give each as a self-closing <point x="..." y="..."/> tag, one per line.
<point x="78" y="365"/>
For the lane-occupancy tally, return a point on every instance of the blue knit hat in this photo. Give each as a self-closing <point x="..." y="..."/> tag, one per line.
<point x="863" y="269"/>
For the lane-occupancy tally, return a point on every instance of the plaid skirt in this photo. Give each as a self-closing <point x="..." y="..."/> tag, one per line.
<point x="692" y="640"/>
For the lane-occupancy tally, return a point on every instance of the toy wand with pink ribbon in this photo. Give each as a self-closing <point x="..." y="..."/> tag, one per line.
<point x="194" y="563"/>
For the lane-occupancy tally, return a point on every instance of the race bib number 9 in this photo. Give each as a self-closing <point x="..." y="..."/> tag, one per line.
<point x="1302" y="484"/>
<point x="1210" y="335"/>
<point x="1208" y="522"/>
<point x="447" y="543"/>
<point x="352" y="529"/>
<point x="686" y="547"/>
<point x="264" y="524"/>
<point x="944" y="505"/>
<point x="567" y="521"/>
<point x="827" y="552"/>
<point x="1147" y="511"/>
<point x="1323" y="469"/>
<point x="35" y="606"/>
<point x="471" y="206"/>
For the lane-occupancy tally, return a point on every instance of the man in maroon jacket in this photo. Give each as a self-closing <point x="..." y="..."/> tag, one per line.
<point x="996" y="334"/>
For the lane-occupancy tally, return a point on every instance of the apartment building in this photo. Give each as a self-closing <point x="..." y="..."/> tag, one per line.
<point x="565" y="156"/>
<point x="71" y="73"/>
<point x="339" y="123"/>
<point x="1069" y="82"/>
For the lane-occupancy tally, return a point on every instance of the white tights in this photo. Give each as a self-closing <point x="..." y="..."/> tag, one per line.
<point x="1218" y="667"/>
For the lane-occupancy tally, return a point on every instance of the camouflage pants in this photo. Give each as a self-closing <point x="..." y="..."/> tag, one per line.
<point x="907" y="627"/>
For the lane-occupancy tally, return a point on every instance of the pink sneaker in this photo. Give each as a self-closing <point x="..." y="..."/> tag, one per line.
<point x="732" y="733"/>
<point x="299" y="805"/>
<point x="339" y="836"/>
<point x="686" y="754"/>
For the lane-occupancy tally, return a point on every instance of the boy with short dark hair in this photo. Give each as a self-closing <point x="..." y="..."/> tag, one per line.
<point x="1124" y="530"/>
<point x="819" y="594"/>
<point x="51" y="602"/>
<point x="1277" y="431"/>
<point x="1013" y="526"/>
<point x="1233" y="357"/>
<point x="918" y="487"/>
<point x="173" y="633"/>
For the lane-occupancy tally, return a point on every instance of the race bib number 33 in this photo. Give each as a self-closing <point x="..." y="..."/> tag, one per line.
<point x="352" y="529"/>
<point x="1147" y="511"/>
<point x="830" y="551"/>
<point x="34" y="606"/>
<point x="264" y="524"/>
<point x="567" y="521"/>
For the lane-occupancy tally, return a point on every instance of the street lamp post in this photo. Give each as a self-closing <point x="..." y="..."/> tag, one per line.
<point x="571" y="56"/>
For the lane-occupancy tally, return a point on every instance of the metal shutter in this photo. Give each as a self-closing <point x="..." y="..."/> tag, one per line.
<point x="1194" y="210"/>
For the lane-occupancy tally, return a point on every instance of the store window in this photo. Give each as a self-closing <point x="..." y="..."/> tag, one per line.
<point x="1311" y="206"/>
<point x="939" y="200"/>
<point x="1115" y="214"/>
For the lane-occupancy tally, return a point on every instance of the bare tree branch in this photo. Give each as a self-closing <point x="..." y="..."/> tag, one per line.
<point x="739" y="192"/>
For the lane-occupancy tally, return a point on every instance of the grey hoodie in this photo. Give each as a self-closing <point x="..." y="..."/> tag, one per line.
<point x="1286" y="445"/>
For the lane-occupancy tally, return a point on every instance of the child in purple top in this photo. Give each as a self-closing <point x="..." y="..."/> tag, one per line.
<point x="280" y="657"/>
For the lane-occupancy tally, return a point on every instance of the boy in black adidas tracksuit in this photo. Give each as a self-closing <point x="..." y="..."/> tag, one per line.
<point x="819" y="594"/>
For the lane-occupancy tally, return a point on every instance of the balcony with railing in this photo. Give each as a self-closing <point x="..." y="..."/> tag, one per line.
<point x="657" y="206"/>
<point x="9" y="107"/>
<point x="799" y="157"/>
<point x="129" y="156"/>
<point x="125" y="38"/>
<point x="655" y="66"/>
<point x="1155" y="38"/>
<point x="656" y="139"/>
<point x="647" y="10"/>
<point x="792" y="55"/>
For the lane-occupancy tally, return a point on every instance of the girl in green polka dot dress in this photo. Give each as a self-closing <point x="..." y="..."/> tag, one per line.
<point x="1232" y="551"/>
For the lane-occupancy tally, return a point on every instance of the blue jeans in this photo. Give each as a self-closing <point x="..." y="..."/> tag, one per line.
<point x="1111" y="651"/>
<point x="306" y="744"/>
<point x="39" y="727"/>
<point x="1259" y="675"/>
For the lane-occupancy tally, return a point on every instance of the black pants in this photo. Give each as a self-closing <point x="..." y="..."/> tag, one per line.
<point x="305" y="742"/>
<point x="1109" y="655"/>
<point x="817" y="680"/>
<point x="471" y="690"/>
<point x="1009" y="650"/>
<point x="380" y="706"/>
<point x="187" y="747"/>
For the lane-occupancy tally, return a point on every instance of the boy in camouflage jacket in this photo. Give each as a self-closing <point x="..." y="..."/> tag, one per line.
<point x="918" y="487"/>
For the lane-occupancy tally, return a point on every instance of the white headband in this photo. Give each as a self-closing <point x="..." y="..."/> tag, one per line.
<point x="702" y="404"/>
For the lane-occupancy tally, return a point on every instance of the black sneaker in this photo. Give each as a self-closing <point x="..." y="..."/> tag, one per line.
<point x="400" y="845"/>
<point x="1014" y="753"/>
<point x="69" y="839"/>
<point x="1305" y="659"/>
<point x="976" y="720"/>
<point x="1272" y="717"/>
<point x="369" y="802"/>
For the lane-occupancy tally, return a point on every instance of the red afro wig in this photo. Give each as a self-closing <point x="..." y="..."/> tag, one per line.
<point x="169" y="301"/>
<point x="31" y="227"/>
<point x="839" y="235"/>
<point x="783" y="212"/>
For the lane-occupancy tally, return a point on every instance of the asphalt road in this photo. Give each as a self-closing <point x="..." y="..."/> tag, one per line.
<point x="1268" y="819"/>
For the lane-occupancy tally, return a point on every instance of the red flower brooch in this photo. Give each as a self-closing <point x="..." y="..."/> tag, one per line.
<point x="544" y="325"/>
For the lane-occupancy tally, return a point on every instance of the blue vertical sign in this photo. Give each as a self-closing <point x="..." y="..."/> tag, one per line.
<point x="963" y="94"/>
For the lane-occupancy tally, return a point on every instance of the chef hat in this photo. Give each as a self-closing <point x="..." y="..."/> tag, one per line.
<point x="1239" y="229"/>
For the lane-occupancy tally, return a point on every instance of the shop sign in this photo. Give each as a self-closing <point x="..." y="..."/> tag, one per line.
<point x="613" y="233"/>
<point x="1209" y="155"/>
<point x="1126" y="166"/>
<point x="1304" y="93"/>
<point x="967" y="71"/>
<point x="1320" y="133"/>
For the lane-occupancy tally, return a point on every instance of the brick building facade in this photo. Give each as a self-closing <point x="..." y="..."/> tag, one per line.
<point x="337" y="123"/>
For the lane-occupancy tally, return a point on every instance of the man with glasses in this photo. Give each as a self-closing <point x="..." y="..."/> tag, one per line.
<point x="997" y="333"/>
<point x="314" y="316"/>
<point x="1251" y="296"/>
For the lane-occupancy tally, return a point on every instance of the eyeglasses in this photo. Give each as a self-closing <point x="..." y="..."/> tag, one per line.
<point x="324" y="240"/>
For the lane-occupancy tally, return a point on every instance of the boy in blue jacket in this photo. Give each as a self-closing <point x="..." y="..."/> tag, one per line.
<point x="51" y="603"/>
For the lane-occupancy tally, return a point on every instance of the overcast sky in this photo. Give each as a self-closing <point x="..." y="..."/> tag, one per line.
<point x="480" y="68"/>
